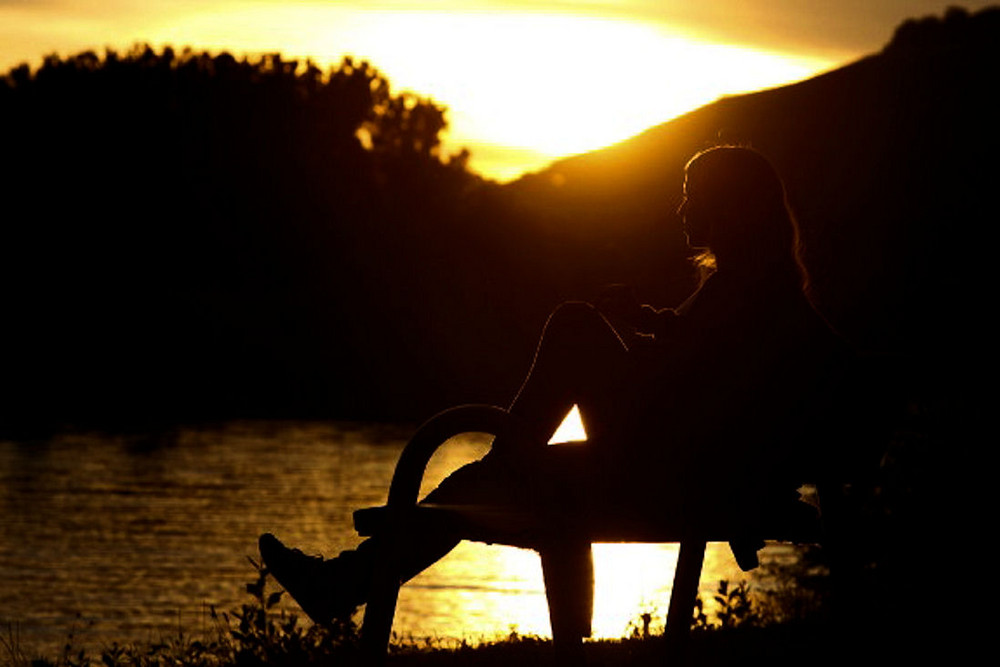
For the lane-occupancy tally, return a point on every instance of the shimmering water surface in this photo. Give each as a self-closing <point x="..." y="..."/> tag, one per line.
<point x="124" y="539"/>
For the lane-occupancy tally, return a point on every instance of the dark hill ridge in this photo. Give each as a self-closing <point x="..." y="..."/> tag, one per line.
<point x="887" y="162"/>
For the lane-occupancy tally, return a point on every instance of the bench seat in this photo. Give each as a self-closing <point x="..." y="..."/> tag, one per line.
<point x="519" y="527"/>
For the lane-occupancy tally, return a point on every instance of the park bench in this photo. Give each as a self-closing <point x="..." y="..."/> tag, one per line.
<point x="563" y="541"/>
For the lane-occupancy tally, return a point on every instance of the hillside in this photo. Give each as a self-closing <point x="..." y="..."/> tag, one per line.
<point x="888" y="165"/>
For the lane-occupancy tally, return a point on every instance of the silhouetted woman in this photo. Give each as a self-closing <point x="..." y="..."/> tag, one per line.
<point x="716" y="395"/>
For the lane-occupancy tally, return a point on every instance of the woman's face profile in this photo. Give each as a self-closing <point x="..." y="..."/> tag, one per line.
<point x="694" y="215"/>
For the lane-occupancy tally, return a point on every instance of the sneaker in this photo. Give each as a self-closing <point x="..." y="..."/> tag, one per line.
<point x="324" y="588"/>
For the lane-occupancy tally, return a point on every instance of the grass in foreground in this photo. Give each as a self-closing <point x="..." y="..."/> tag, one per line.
<point x="743" y="625"/>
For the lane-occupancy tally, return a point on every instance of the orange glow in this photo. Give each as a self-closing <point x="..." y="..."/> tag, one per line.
<point x="630" y="579"/>
<point x="482" y="591"/>
<point x="523" y="88"/>
<point x="570" y="430"/>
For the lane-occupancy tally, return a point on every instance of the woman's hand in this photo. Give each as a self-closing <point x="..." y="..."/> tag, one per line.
<point x="619" y="305"/>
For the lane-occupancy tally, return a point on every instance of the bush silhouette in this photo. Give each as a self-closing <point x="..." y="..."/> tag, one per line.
<point x="192" y="235"/>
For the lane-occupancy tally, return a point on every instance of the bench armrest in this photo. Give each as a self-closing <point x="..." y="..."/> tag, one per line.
<point x="409" y="472"/>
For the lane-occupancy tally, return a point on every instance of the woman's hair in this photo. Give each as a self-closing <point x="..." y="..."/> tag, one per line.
<point x="748" y="197"/>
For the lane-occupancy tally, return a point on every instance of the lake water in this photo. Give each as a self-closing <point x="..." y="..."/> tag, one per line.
<point x="124" y="539"/>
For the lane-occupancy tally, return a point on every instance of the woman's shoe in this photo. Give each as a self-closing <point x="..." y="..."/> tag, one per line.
<point x="326" y="589"/>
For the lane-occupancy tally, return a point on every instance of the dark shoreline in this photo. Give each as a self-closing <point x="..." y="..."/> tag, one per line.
<point x="816" y="643"/>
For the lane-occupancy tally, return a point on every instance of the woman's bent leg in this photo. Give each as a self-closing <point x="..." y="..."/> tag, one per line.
<point x="579" y="360"/>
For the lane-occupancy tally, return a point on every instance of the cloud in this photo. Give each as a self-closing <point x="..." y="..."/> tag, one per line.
<point x="841" y="28"/>
<point x="833" y="30"/>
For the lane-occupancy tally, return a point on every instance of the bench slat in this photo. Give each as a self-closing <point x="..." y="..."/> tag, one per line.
<point x="798" y="522"/>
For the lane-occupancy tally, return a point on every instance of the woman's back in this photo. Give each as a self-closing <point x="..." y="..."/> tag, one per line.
<point x="736" y="386"/>
<point x="744" y="377"/>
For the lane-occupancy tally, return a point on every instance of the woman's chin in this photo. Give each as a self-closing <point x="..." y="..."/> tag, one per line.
<point x="696" y="243"/>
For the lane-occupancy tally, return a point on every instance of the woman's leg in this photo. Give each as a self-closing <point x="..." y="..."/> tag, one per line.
<point x="335" y="587"/>
<point x="579" y="360"/>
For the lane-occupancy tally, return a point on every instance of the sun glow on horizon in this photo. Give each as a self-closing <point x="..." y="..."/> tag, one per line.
<point x="522" y="88"/>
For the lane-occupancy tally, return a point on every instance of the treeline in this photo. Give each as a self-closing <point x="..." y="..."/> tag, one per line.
<point x="192" y="236"/>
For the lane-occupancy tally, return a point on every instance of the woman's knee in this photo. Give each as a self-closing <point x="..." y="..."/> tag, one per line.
<point x="576" y="318"/>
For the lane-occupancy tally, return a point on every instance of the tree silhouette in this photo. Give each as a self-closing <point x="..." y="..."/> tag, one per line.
<point x="212" y="234"/>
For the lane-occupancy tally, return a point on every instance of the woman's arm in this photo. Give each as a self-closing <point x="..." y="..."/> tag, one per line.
<point x="656" y="322"/>
<point x="622" y="309"/>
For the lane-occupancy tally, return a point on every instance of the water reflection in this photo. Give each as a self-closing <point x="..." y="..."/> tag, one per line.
<point x="483" y="591"/>
<point x="125" y="543"/>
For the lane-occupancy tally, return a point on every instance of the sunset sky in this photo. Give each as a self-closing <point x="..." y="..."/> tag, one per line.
<point x="524" y="81"/>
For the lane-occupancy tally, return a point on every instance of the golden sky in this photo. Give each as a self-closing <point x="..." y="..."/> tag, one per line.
<point x="525" y="82"/>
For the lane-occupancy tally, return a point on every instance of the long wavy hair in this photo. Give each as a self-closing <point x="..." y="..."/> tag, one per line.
<point x="758" y="227"/>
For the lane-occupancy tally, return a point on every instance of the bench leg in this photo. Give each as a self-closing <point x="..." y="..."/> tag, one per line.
<point x="376" y="629"/>
<point x="682" y="598"/>
<point x="568" y="572"/>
